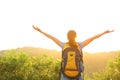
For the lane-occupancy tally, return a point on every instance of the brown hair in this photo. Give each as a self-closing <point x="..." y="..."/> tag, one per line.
<point x="71" y="35"/>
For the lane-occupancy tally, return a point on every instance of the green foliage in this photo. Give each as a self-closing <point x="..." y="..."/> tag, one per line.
<point x="17" y="65"/>
<point x="20" y="66"/>
<point x="112" y="71"/>
<point x="45" y="68"/>
<point x="96" y="62"/>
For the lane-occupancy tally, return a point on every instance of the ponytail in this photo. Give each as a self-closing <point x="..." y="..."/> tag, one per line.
<point x="73" y="44"/>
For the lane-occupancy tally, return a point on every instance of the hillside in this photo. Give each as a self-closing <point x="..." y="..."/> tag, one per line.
<point x="93" y="62"/>
<point x="98" y="62"/>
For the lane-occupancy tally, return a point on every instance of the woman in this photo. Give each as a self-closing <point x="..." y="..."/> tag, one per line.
<point x="71" y="35"/>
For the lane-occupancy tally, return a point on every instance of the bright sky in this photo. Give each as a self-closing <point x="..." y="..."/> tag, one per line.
<point x="57" y="17"/>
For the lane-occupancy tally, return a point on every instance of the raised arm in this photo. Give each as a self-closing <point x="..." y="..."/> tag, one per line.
<point x="48" y="35"/>
<point x="89" y="40"/>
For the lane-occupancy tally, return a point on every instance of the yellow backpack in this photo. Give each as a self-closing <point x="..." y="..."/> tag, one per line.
<point x="71" y="57"/>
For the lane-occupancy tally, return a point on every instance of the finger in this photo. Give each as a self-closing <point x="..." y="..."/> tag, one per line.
<point x="112" y="30"/>
<point x="33" y="26"/>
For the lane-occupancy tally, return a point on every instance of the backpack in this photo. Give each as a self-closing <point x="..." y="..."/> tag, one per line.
<point x="71" y="58"/>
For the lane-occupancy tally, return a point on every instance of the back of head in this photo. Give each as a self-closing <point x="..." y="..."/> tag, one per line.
<point x="71" y="35"/>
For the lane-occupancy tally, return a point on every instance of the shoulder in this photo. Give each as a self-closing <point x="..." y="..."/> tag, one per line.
<point x="81" y="44"/>
<point x="62" y="44"/>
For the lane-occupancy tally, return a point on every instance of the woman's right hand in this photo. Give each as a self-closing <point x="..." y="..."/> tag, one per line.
<point x="36" y="28"/>
<point x="109" y="31"/>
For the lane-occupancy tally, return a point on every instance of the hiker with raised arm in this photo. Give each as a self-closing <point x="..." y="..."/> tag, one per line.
<point x="72" y="57"/>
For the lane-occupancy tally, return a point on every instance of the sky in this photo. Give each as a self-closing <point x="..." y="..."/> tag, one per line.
<point x="57" y="17"/>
